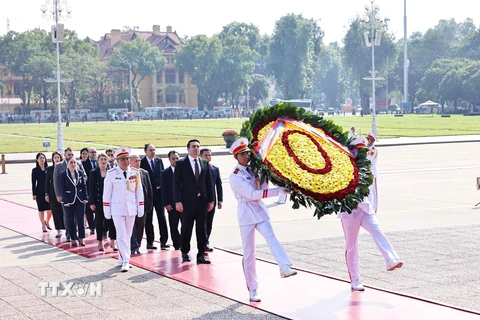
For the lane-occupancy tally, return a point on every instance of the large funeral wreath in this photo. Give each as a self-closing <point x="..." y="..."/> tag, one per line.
<point x="309" y="156"/>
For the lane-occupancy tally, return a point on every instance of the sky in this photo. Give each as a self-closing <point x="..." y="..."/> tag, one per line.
<point x="188" y="17"/>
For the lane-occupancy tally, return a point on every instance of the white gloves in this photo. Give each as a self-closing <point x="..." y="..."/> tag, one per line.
<point x="283" y="191"/>
<point x="140" y="214"/>
<point x="107" y="215"/>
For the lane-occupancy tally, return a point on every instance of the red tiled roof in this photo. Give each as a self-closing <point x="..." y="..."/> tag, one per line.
<point x="165" y="42"/>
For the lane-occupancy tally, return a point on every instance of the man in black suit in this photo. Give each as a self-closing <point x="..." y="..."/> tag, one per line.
<point x="138" y="227"/>
<point x="88" y="165"/>
<point x="193" y="198"/>
<point x="218" y="195"/>
<point x="154" y="166"/>
<point x="169" y="199"/>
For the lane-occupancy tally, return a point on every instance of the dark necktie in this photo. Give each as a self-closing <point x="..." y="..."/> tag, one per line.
<point x="94" y="164"/>
<point x="153" y="166"/>
<point x="197" y="169"/>
<point x="125" y="174"/>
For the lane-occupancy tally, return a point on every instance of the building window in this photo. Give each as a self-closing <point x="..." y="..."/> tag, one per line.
<point x="159" y="77"/>
<point x="181" y="77"/>
<point x="181" y="98"/>
<point x="171" y="98"/>
<point x="16" y="89"/>
<point x="159" y="97"/>
<point x="170" y="76"/>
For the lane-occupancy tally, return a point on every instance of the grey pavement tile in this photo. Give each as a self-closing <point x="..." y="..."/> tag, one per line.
<point x="132" y="298"/>
<point x="84" y="312"/>
<point x="14" y="273"/>
<point x="17" y="317"/>
<point x="50" y="315"/>
<point x="20" y="304"/>
<point x="181" y="314"/>
<point x="32" y="310"/>
<point x="21" y="297"/>
<point x="8" y="310"/>
<point x="203" y="308"/>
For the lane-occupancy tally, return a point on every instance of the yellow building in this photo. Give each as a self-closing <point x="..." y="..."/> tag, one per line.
<point x="10" y="93"/>
<point x="170" y="86"/>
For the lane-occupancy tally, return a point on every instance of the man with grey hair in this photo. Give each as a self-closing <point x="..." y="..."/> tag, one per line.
<point x="139" y="226"/>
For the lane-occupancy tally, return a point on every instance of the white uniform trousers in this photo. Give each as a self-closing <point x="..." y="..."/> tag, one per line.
<point x="124" y="227"/>
<point x="351" y="228"/>
<point x="248" y="240"/>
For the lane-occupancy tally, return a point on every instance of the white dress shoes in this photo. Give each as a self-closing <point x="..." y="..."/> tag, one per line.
<point x="393" y="264"/>
<point x="357" y="286"/>
<point x="254" y="296"/>
<point x="126" y="266"/>
<point x="286" y="271"/>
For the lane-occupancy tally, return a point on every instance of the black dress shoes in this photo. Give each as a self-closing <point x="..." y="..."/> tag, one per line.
<point x="208" y="249"/>
<point x="185" y="258"/>
<point x="151" y="246"/>
<point x="164" y="246"/>
<point x="203" y="260"/>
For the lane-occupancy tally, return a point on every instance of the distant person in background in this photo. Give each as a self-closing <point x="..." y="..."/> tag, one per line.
<point x="83" y="154"/>
<point x="352" y="134"/>
<point x="39" y="175"/>
<point x="51" y="197"/>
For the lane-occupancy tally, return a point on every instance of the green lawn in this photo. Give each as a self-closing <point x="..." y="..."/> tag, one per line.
<point x="28" y="138"/>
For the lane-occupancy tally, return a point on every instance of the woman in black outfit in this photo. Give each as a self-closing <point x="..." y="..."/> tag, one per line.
<point x="74" y="198"/>
<point x="38" y="190"/>
<point x="95" y="200"/>
<point x="51" y="197"/>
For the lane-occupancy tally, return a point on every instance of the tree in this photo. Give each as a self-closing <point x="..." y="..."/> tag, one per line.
<point x="16" y="51"/>
<point x="295" y="42"/>
<point x="330" y="77"/>
<point x="236" y="64"/>
<point x="258" y="88"/>
<point x="144" y="59"/>
<point x="247" y="32"/>
<point x="200" y="57"/>
<point x="42" y="67"/>
<point x="358" y="58"/>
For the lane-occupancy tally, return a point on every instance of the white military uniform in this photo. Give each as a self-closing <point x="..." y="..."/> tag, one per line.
<point x="372" y="154"/>
<point x="123" y="201"/>
<point x="364" y="216"/>
<point x="253" y="214"/>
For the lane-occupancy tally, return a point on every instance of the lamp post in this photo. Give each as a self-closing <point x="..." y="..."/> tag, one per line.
<point x="405" y="57"/>
<point x="372" y="20"/>
<point x="56" y="10"/>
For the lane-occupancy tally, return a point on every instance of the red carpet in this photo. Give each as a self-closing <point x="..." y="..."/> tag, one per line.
<point x="304" y="296"/>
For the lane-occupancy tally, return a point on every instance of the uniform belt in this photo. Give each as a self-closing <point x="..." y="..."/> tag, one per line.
<point x="243" y="199"/>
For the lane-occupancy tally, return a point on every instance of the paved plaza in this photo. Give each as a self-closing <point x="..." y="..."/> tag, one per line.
<point x="427" y="196"/>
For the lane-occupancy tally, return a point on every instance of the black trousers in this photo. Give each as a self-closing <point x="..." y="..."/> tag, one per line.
<point x="90" y="218"/>
<point x="137" y="234"/>
<point x="173" y="219"/>
<point x="194" y="213"/>
<point x="57" y="212"/>
<point x="100" y="223"/>
<point x="162" y="222"/>
<point x="210" y="215"/>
